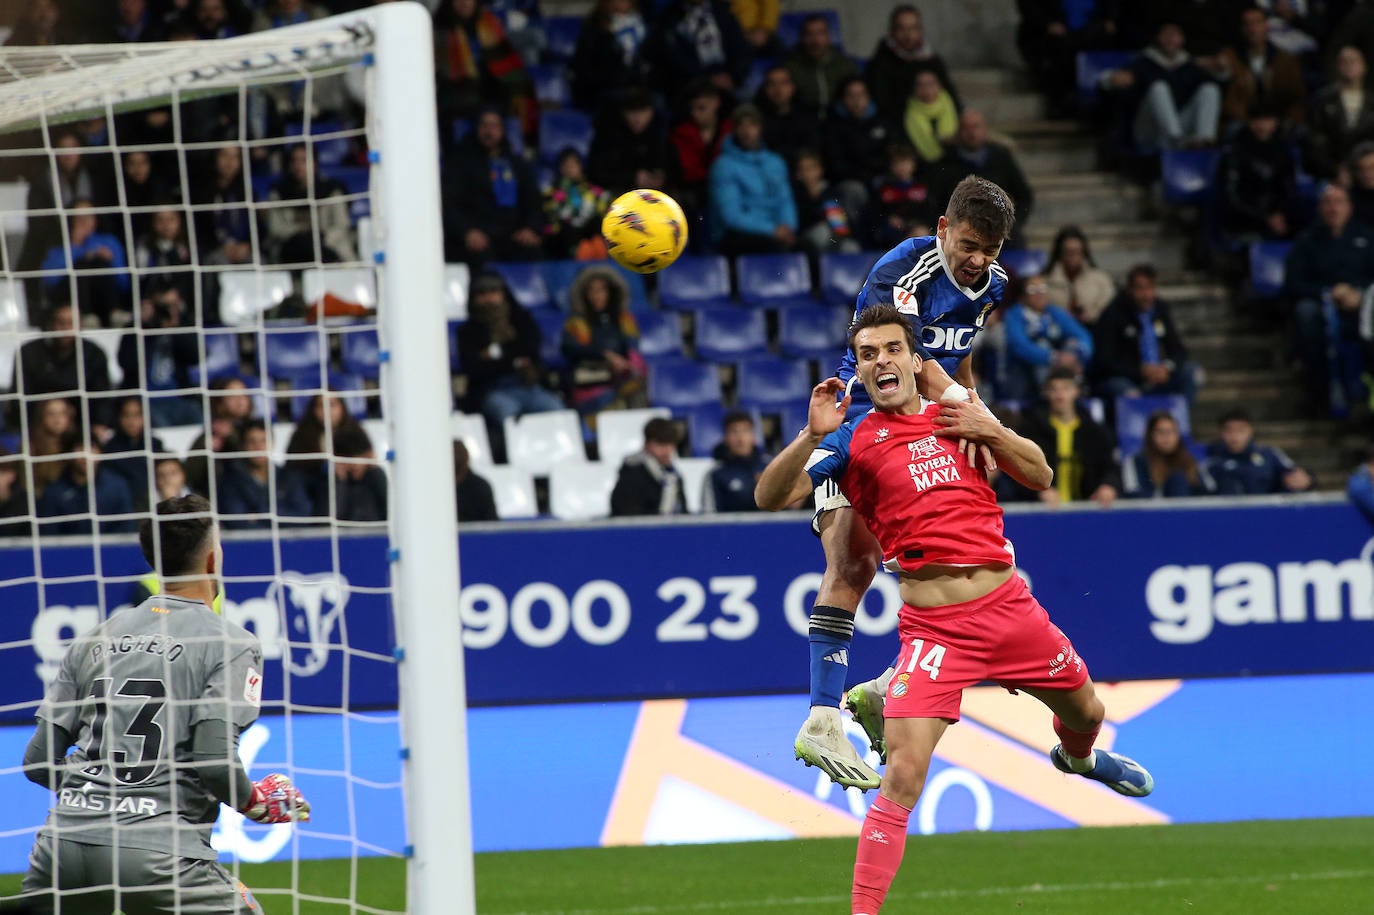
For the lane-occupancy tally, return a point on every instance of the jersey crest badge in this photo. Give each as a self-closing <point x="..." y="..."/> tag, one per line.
<point x="924" y="449"/>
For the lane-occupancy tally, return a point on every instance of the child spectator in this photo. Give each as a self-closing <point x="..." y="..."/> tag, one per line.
<point x="788" y="127"/>
<point x="1341" y="115"/>
<point x="248" y="484"/>
<point x="129" y="439"/>
<point x="1164" y="468"/>
<point x="818" y="68"/>
<point x="359" y="490"/>
<point x="573" y="208"/>
<point x="1079" y="449"/>
<point x="472" y="493"/>
<point x="609" y="56"/>
<point x="825" y="223"/>
<point x="899" y="56"/>
<point x="1241" y="467"/>
<point x="1074" y="279"/>
<point x="476" y="66"/>
<point x="1138" y="348"/>
<point x="165" y="248"/>
<point x="630" y="146"/>
<point x="739" y="462"/>
<point x="601" y="344"/>
<point x="169" y="478"/>
<point x="648" y="483"/>
<point x="752" y="210"/>
<point x="1258" y="182"/>
<point x="491" y="198"/>
<point x="80" y="486"/>
<point x="320" y="228"/>
<point x="931" y="119"/>
<point x="902" y="207"/>
<point x="856" y="137"/>
<point x="697" y="142"/>
<point x="1041" y="337"/>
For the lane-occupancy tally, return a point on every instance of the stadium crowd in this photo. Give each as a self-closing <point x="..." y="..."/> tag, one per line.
<point x="784" y="148"/>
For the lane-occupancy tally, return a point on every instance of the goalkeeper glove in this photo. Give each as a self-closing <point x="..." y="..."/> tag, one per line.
<point x="276" y="800"/>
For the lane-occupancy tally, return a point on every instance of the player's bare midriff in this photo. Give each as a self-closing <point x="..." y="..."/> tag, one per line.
<point x="939" y="586"/>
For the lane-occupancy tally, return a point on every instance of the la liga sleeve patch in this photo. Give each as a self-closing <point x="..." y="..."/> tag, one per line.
<point x="252" y="688"/>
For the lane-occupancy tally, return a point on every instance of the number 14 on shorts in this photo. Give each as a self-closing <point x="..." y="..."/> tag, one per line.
<point x="931" y="660"/>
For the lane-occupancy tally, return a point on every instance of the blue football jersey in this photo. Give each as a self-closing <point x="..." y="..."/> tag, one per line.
<point x="947" y="316"/>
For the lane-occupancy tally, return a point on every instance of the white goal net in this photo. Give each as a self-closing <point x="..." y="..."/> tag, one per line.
<point x="222" y="275"/>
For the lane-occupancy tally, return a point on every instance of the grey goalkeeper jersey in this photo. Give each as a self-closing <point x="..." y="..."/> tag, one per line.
<point x="130" y="694"/>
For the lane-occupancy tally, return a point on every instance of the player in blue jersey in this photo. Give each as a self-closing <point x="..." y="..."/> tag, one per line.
<point x="946" y="284"/>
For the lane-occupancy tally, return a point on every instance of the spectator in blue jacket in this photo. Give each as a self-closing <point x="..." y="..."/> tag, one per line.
<point x="246" y="488"/>
<point x="1327" y="270"/>
<point x="739" y="461"/>
<point x="752" y="210"/>
<point x="71" y="494"/>
<point x="92" y="253"/>
<point x="1241" y="467"/>
<point x="1041" y="336"/>
<point x="1176" y="101"/>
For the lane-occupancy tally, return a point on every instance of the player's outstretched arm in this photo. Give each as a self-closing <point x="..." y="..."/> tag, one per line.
<point x="784" y="480"/>
<point x="1020" y="458"/>
<point x="46" y="755"/>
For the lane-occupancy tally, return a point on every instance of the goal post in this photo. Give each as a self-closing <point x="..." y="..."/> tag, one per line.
<point x="391" y="45"/>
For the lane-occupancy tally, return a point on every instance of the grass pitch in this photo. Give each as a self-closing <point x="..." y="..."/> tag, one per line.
<point x="1322" y="867"/>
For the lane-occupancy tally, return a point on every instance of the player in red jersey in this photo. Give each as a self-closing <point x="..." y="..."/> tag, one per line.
<point x="966" y="616"/>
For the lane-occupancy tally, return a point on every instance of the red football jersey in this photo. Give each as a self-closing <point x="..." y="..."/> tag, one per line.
<point x="919" y="495"/>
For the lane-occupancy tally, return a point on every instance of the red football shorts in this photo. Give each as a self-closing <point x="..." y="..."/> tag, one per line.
<point x="1004" y="636"/>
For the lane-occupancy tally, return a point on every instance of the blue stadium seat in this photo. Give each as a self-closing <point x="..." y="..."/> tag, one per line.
<point x="682" y="383"/>
<point x="728" y="334"/>
<point x="1023" y="262"/>
<point x="262" y="183"/>
<point x="1267" y="263"/>
<point x="660" y="334"/>
<point x="843" y="275"/>
<point x="551" y="85"/>
<point x="1090" y="66"/>
<point x="352" y="177"/>
<point x="355" y="402"/>
<point x="561" y="129"/>
<point x="331" y="151"/>
<point x="221" y="358"/>
<point x="813" y="333"/>
<point x="359" y="348"/>
<point x="560" y="36"/>
<point x="790" y="25"/>
<point x="1188" y="175"/>
<point x="293" y="354"/>
<point x="455" y="364"/>
<point x="526" y="282"/>
<point x="550" y="321"/>
<point x="774" y="280"/>
<point x="771" y="383"/>
<point x="704" y="427"/>
<point x="1133" y="412"/>
<point x="792" y="418"/>
<point x="695" y="282"/>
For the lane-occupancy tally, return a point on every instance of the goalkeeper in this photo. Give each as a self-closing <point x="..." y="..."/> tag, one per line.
<point x="151" y="704"/>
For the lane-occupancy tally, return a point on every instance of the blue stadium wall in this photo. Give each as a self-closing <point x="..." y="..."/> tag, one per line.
<point x="640" y="682"/>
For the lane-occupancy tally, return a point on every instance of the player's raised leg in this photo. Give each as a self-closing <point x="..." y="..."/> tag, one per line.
<point x="1078" y="719"/>
<point x="852" y="558"/>
<point x="882" y="841"/>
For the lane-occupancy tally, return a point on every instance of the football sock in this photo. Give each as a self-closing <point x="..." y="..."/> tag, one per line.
<point x="881" y="844"/>
<point x="830" y="632"/>
<point x="1078" y="746"/>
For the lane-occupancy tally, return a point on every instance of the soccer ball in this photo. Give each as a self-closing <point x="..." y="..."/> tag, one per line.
<point x="645" y="230"/>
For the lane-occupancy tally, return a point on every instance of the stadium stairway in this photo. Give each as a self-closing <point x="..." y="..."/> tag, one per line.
<point x="1243" y="360"/>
